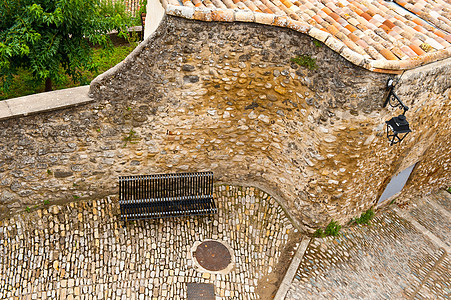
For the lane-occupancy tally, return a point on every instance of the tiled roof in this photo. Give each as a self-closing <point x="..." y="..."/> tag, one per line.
<point x="378" y="35"/>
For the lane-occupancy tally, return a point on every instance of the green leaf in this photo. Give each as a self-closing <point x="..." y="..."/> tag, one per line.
<point x="44" y="36"/>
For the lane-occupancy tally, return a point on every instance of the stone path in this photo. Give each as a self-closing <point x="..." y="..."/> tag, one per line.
<point x="82" y="251"/>
<point x="393" y="258"/>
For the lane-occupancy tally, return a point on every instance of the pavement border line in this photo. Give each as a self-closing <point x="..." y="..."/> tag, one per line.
<point x="444" y="194"/>
<point x="428" y="276"/>
<point x="435" y="240"/>
<point x="434" y="203"/>
<point x="291" y="272"/>
<point x="440" y="208"/>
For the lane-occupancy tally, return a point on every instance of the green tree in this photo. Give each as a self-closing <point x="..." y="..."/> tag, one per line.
<point x="47" y="36"/>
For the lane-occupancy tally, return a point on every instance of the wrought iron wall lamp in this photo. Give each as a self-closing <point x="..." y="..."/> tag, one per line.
<point x="397" y="127"/>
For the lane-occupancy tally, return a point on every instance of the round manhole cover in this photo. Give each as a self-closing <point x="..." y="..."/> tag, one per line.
<point x="212" y="256"/>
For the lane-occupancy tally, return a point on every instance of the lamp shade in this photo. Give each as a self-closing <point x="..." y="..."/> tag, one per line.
<point x="397" y="129"/>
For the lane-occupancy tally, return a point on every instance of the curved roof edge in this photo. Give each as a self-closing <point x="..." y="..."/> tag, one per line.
<point x="230" y="15"/>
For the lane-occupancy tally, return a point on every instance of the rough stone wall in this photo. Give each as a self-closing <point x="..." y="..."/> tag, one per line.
<point x="427" y="90"/>
<point x="223" y="97"/>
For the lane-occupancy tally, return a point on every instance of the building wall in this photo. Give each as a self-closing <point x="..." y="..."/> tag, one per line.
<point x="426" y="90"/>
<point x="155" y="13"/>
<point x="225" y="97"/>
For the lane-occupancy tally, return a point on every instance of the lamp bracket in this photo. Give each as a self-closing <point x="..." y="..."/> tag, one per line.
<point x="392" y="98"/>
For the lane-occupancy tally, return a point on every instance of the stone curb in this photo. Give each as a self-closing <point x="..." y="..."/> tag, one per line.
<point x="444" y="193"/>
<point x="441" y="209"/>
<point x="23" y="106"/>
<point x="291" y="272"/>
<point x="382" y="65"/>
<point x="435" y="240"/>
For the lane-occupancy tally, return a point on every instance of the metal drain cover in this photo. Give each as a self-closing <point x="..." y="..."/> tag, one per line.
<point x="200" y="291"/>
<point x="212" y="256"/>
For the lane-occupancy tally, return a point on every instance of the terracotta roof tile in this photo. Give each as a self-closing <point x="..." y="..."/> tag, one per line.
<point x="318" y="19"/>
<point x="298" y="26"/>
<point x="362" y="44"/>
<point x="343" y="33"/>
<point x="443" y="42"/>
<point x="173" y="2"/>
<point x="385" y="28"/>
<point x="354" y="47"/>
<point x="209" y="4"/>
<point x="230" y="4"/>
<point x="353" y="37"/>
<point x="416" y="42"/>
<point x="334" y="16"/>
<point x="332" y="29"/>
<point x="388" y="54"/>
<point x="272" y="7"/>
<point x="389" y="24"/>
<point x="251" y="5"/>
<point x="196" y="3"/>
<point x="417" y="49"/>
<point x="376" y="34"/>
<point x="399" y="53"/>
<point x="408" y="51"/>
<point x="326" y="10"/>
<point x="362" y="27"/>
<point x="350" y="28"/>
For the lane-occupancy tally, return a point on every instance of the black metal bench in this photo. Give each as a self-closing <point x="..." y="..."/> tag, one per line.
<point x="166" y="195"/>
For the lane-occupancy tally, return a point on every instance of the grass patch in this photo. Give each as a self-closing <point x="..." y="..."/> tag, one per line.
<point x="319" y="233"/>
<point x="317" y="43"/>
<point x="306" y="61"/>
<point x="24" y="84"/>
<point x="449" y="190"/>
<point x="332" y="229"/>
<point x="130" y="138"/>
<point x="365" y="217"/>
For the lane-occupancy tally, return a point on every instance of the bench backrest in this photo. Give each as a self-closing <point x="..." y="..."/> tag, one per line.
<point x="161" y="186"/>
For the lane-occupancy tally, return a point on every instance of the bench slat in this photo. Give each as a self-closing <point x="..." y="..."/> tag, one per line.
<point x="162" y="208"/>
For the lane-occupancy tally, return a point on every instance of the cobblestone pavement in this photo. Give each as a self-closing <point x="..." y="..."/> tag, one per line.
<point x="82" y="250"/>
<point x="389" y="259"/>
